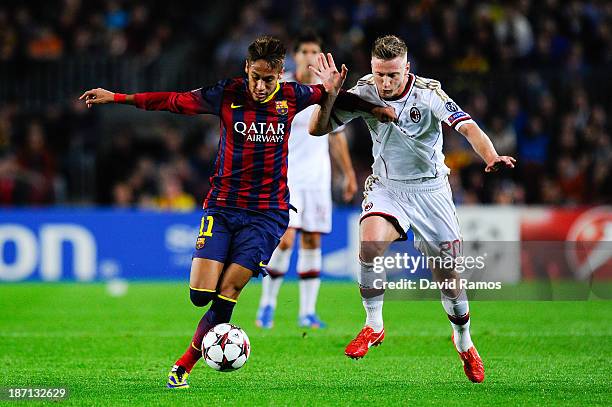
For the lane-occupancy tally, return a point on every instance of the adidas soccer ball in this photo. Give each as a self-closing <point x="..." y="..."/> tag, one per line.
<point x="226" y="347"/>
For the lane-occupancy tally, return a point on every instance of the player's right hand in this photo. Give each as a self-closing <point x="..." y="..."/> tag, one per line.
<point x="97" y="96"/>
<point x="385" y="114"/>
<point x="499" y="162"/>
<point x="328" y="74"/>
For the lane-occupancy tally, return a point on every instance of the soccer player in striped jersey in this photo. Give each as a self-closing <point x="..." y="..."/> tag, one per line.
<point x="247" y="209"/>
<point x="409" y="187"/>
<point x="310" y="187"/>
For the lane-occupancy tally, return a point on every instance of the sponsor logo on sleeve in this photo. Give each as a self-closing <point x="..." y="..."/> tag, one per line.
<point x="456" y="116"/>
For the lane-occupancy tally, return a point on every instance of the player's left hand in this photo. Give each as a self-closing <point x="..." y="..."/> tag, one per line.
<point x="97" y="96"/>
<point x="385" y="114"/>
<point x="327" y="72"/>
<point x="499" y="162"/>
<point x="350" y="187"/>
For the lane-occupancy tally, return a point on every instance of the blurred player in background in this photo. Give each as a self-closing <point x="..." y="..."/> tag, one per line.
<point x="409" y="186"/>
<point x="309" y="179"/>
<point x="246" y="211"/>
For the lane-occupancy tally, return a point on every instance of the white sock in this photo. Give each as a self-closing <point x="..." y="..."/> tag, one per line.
<point x="272" y="296"/>
<point x="278" y="264"/>
<point x="266" y="286"/>
<point x="463" y="340"/>
<point x="459" y="308"/>
<point x="308" y="268"/>
<point x="373" y="305"/>
<point x="313" y="294"/>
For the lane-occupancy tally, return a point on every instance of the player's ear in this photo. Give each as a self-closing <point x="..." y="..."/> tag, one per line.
<point x="281" y="73"/>
<point x="246" y="66"/>
<point x="407" y="67"/>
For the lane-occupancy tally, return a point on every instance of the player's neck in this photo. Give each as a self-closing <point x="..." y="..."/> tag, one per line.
<point x="304" y="76"/>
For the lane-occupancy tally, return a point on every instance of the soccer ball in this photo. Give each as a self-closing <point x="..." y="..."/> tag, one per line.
<point x="226" y="347"/>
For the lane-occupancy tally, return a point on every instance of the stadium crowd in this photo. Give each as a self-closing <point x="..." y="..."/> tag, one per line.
<point x="535" y="75"/>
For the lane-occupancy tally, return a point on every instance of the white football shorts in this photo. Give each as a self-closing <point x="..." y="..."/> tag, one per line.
<point x="314" y="210"/>
<point x="426" y="206"/>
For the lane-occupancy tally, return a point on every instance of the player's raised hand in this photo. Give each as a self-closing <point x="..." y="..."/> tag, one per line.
<point x="97" y="96"/>
<point x="327" y="72"/>
<point x="499" y="162"/>
<point x="385" y="114"/>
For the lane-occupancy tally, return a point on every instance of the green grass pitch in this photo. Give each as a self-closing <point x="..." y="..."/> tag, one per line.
<point x="117" y="351"/>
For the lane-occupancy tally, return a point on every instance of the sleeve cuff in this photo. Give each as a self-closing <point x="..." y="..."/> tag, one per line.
<point x="457" y="125"/>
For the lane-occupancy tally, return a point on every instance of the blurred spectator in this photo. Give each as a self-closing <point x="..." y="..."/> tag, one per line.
<point x="45" y="44"/>
<point x="173" y="197"/>
<point x="514" y="29"/>
<point x="123" y="196"/>
<point x="37" y="164"/>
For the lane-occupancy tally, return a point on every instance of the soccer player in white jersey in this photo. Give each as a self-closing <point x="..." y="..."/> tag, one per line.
<point x="409" y="185"/>
<point x="309" y="179"/>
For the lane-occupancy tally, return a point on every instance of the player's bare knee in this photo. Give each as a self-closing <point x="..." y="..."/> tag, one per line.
<point x="201" y="297"/>
<point x="369" y="250"/>
<point x="287" y="240"/>
<point x="311" y="240"/>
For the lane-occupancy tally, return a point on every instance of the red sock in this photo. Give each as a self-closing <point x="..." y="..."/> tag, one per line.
<point x="194" y="351"/>
<point x="189" y="358"/>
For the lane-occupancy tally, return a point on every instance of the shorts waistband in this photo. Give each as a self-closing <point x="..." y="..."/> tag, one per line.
<point x="417" y="185"/>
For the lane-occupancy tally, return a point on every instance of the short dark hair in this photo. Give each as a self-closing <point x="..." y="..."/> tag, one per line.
<point x="389" y="47"/>
<point x="269" y="49"/>
<point x="307" y="37"/>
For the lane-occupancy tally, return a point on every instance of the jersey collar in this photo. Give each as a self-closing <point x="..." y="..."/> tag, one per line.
<point x="269" y="98"/>
<point x="406" y="89"/>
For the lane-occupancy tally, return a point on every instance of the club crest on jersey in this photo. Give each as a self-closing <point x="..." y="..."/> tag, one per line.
<point x="451" y="106"/>
<point x="200" y="243"/>
<point x="415" y="114"/>
<point x="368" y="206"/>
<point x="281" y="107"/>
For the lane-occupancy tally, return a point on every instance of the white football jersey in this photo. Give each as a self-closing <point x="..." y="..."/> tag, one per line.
<point x="412" y="148"/>
<point x="309" y="165"/>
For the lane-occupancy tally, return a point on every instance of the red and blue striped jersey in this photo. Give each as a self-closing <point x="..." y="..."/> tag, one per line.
<point x="250" y="170"/>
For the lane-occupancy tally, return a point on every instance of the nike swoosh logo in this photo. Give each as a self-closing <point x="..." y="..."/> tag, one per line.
<point x="374" y="341"/>
<point x="233" y="106"/>
<point x="261" y="264"/>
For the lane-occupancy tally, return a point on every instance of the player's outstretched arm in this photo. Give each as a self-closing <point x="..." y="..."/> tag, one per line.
<point x="481" y="143"/>
<point x="176" y="102"/>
